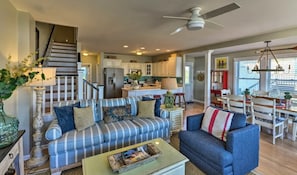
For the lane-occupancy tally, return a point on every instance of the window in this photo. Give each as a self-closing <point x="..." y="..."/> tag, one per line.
<point x="187" y="75"/>
<point x="246" y="78"/>
<point x="284" y="81"/>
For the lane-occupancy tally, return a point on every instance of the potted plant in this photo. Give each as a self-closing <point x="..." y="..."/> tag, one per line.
<point x="247" y="93"/>
<point x="135" y="76"/>
<point x="11" y="77"/>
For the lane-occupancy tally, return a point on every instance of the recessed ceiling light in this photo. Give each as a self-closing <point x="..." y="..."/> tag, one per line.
<point x="138" y="53"/>
<point x="157" y="49"/>
<point x="125" y="46"/>
<point x="168" y="50"/>
<point x="142" y="48"/>
<point x="85" y="54"/>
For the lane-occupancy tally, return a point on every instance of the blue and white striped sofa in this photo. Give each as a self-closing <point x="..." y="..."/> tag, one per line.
<point x="67" y="150"/>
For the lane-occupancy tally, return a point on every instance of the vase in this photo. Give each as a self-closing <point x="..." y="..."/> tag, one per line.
<point x="135" y="84"/>
<point x="288" y="103"/>
<point x="8" y="127"/>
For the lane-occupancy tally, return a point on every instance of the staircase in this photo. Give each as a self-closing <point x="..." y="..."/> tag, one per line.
<point x="63" y="56"/>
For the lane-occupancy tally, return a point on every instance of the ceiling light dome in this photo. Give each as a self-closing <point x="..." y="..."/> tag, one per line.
<point x="196" y="24"/>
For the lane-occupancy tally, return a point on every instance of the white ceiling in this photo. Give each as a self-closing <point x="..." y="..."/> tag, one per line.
<point x="107" y="25"/>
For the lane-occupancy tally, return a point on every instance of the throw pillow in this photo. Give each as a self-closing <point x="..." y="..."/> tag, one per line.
<point x="157" y="109"/>
<point x="217" y="122"/>
<point x="116" y="113"/>
<point x="65" y="117"/>
<point x="83" y="118"/>
<point x="146" y="109"/>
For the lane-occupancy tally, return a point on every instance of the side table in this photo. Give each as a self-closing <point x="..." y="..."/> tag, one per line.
<point x="13" y="153"/>
<point x="175" y="115"/>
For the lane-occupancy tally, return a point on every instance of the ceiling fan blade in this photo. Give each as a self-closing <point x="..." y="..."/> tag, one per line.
<point x="177" y="30"/>
<point x="213" y="25"/>
<point x="176" y="17"/>
<point x="219" y="11"/>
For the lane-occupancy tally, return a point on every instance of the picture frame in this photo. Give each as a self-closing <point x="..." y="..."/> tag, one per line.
<point x="221" y="63"/>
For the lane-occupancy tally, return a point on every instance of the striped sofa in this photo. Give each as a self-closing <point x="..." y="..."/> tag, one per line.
<point x="68" y="149"/>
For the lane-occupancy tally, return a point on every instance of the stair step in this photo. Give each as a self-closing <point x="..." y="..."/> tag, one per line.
<point x="64" y="51"/>
<point x="58" y="59"/>
<point x="64" y="47"/>
<point x="61" y="64"/>
<point x="64" y="55"/>
<point x="64" y="44"/>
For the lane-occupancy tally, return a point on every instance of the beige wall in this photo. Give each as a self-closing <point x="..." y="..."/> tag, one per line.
<point x="17" y="40"/>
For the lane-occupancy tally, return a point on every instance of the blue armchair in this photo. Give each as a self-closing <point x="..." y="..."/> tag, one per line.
<point x="237" y="156"/>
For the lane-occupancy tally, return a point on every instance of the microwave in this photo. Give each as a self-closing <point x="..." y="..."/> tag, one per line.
<point x="135" y="71"/>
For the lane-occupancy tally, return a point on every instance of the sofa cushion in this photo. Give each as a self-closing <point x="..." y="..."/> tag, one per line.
<point x="207" y="146"/>
<point x="74" y="140"/>
<point x="116" y="113"/>
<point x="146" y="109"/>
<point x="118" y="130"/>
<point x="217" y="122"/>
<point x="109" y="103"/>
<point x="83" y="118"/>
<point x="93" y="104"/>
<point x="238" y="121"/>
<point x="133" y="102"/>
<point x="157" y="107"/>
<point x="148" y="125"/>
<point x="65" y="117"/>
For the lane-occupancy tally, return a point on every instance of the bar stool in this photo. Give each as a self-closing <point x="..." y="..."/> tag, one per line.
<point x="157" y="96"/>
<point x="180" y="96"/>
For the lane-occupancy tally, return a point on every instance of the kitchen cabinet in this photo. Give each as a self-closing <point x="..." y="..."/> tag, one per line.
<point x="147" y="69"/>
<point x="170" y="68"/>
<point x="112" y="63"/>
<point x="174" y="67"/>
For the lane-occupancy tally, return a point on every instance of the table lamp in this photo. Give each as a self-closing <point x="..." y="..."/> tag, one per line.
<point x="169" y="84"/>
<point x="37" y="157"/>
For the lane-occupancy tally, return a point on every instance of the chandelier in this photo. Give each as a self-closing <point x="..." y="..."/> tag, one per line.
<point x="265" y="57"/>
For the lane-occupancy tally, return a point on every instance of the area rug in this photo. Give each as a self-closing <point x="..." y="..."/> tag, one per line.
<point x="191" y="169"/>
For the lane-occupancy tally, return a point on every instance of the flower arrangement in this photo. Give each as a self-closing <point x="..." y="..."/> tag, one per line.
<point x="135" y="75"/>
<point x="15" y="75"/>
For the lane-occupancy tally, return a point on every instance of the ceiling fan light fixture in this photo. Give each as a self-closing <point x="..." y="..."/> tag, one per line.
<point x="196" y="24"/>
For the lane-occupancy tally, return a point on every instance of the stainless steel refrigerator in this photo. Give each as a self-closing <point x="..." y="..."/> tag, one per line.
<point x="113" y="82"/>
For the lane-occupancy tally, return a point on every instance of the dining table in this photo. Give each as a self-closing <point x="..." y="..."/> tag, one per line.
<point x="288" y="111"/>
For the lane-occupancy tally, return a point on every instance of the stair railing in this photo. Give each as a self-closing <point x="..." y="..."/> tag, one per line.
<point x="49" y="41"/>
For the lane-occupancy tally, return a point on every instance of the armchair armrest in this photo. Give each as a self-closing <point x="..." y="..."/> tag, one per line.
<point x="243" y="143"/>
<point x="194" y="122"/>
<point x="54" y="131"/>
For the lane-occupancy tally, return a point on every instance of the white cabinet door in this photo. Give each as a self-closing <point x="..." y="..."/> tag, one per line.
<point x="112" y="63"/>
<point x="126" y="68"/>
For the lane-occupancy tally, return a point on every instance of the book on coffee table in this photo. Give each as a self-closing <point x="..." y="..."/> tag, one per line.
<point x="132" y="158"/>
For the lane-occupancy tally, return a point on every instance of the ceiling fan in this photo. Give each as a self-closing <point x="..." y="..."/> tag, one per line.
<point x="197" y="21"/>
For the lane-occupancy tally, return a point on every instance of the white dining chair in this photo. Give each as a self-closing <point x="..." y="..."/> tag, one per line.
<point x="224" y="94"/>
<point x="237" y="103"/>
<point x="264" y="114"/>
<point x="260" y="93"/>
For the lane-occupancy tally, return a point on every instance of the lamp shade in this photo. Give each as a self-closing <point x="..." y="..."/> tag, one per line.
<point x="49" y="74"/>
<point x="169" y="83"/>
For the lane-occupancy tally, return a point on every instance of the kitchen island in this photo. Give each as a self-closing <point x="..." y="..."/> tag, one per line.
<point x="128" y="92"/>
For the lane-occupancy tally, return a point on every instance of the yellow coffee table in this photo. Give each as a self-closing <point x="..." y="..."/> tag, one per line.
<point x="169" y="162"/>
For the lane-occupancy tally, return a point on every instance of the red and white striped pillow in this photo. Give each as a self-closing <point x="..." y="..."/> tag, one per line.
<point x="217" y="122"/>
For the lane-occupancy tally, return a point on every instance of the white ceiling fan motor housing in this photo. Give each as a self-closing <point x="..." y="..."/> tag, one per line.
<point x="195" y="22"/>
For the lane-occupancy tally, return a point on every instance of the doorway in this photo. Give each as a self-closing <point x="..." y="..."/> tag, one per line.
<point x="189" y="87"/>
<point x="87" y="72"/>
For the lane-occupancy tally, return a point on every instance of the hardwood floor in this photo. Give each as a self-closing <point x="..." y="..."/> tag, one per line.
<point x="278" y="159"/>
